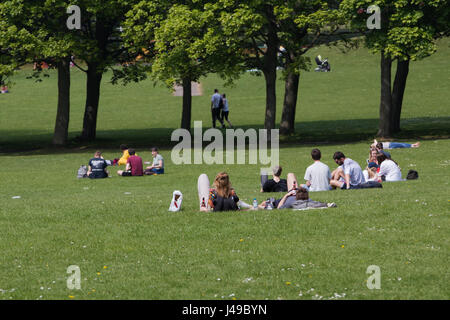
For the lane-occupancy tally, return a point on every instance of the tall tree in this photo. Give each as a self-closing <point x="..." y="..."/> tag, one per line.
<point x="408" y="32"/>
<point x="302" y="25"/>
<point x="187" y="44"/>
<point x="252" y="32"/>
<point x="35" y="32"/>
<point x="262" y="31"/>
<point x="100" y="46"/>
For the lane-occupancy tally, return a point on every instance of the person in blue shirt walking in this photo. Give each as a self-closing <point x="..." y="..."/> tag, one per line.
<point x="216" y="100"/>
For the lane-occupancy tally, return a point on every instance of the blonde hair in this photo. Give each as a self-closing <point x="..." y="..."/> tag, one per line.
<point x="223" y="185"/>
<point x="372" y="172"/>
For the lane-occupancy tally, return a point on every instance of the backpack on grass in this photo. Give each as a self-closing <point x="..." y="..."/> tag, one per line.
<point x="412" y="175"/>
<point x="82" y="172"/>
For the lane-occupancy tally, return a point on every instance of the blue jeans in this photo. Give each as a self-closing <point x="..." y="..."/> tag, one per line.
<point x="395" y="145"/>
<point x="154" y="171"/>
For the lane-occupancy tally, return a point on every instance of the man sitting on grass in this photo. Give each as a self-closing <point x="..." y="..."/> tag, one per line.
<point x="276" y="184"/>
<point x="97" y="167"/>
<point x="317" y="175"/>
<point x="348" y="175"/>
<point x="134" y="165"/>
<point x="157" y="166"/>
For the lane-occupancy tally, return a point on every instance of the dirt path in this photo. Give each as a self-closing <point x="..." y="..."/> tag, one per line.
<point x="195" y="87"/>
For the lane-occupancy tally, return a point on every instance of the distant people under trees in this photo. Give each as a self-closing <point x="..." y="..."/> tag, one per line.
<point x="225" y="111"/>
<point x="216" y="100"/>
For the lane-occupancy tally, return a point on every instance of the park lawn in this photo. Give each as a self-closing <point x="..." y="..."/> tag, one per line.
<point x="129" y="246"/>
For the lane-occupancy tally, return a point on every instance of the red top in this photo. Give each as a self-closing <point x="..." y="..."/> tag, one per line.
<point x="136" y="165"/>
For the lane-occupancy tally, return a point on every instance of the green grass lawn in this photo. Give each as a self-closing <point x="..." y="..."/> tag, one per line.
<point x="129" y="246"/>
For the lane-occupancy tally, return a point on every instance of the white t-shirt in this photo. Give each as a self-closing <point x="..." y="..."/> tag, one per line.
<point x="390" y="170"/>
<point x="215" y="99"/>
<point x="354" y="170"/>
<point x="156" y="160"/>
<point x="319" y="175"/>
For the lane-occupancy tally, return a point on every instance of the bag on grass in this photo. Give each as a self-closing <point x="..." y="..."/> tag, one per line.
<point x="82" y="172"/>
<point x="177" y="199"/>
<point x="412" y="175"/>
<point x="370" y="184"/>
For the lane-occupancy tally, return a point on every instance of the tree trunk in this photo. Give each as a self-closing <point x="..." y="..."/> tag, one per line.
<point x="287" y="125"/>
<point x="94" y="78"/>
<point x="385" y="124"/>
<point x="271" y="103"/>
<point x="63" y="113"/>
<point x="187" y="104"/>
<point x="398" y="92"/>
<point x="270" y="74"/>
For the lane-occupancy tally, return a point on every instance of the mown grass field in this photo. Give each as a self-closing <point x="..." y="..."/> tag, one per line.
<point x="128" y="246"/>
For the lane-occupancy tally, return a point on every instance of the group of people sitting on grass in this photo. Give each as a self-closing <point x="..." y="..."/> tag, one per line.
<point x="348" y="175"/>
<point x="222" y="197"/>
<point x="97" y="168"/>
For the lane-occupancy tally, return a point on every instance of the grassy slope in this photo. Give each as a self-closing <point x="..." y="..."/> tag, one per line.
<point x="150" y="253"/>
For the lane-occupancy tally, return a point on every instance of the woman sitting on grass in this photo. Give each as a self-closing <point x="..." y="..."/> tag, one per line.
<point x="373" y="156"/>
<point x="370" y="173"/>
<point x="221" y="198"/>
<point x="389" y="169"/>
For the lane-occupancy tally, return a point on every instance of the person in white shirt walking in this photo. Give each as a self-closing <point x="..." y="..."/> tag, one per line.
<point x="216" y="100"/>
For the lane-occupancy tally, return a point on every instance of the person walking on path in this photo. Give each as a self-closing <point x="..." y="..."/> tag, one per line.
<point x="216" y="99"/>
<point x="225" y="111"/>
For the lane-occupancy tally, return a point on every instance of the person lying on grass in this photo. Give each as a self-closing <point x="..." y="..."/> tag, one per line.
<point x="393" y="145"/>
<point x="298" y="199"/>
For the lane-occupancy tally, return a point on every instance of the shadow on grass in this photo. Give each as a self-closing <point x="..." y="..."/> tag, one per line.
<point x="307" y="133"/>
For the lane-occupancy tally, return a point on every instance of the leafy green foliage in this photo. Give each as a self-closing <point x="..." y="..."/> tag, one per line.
<point x="408" y="27"/>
